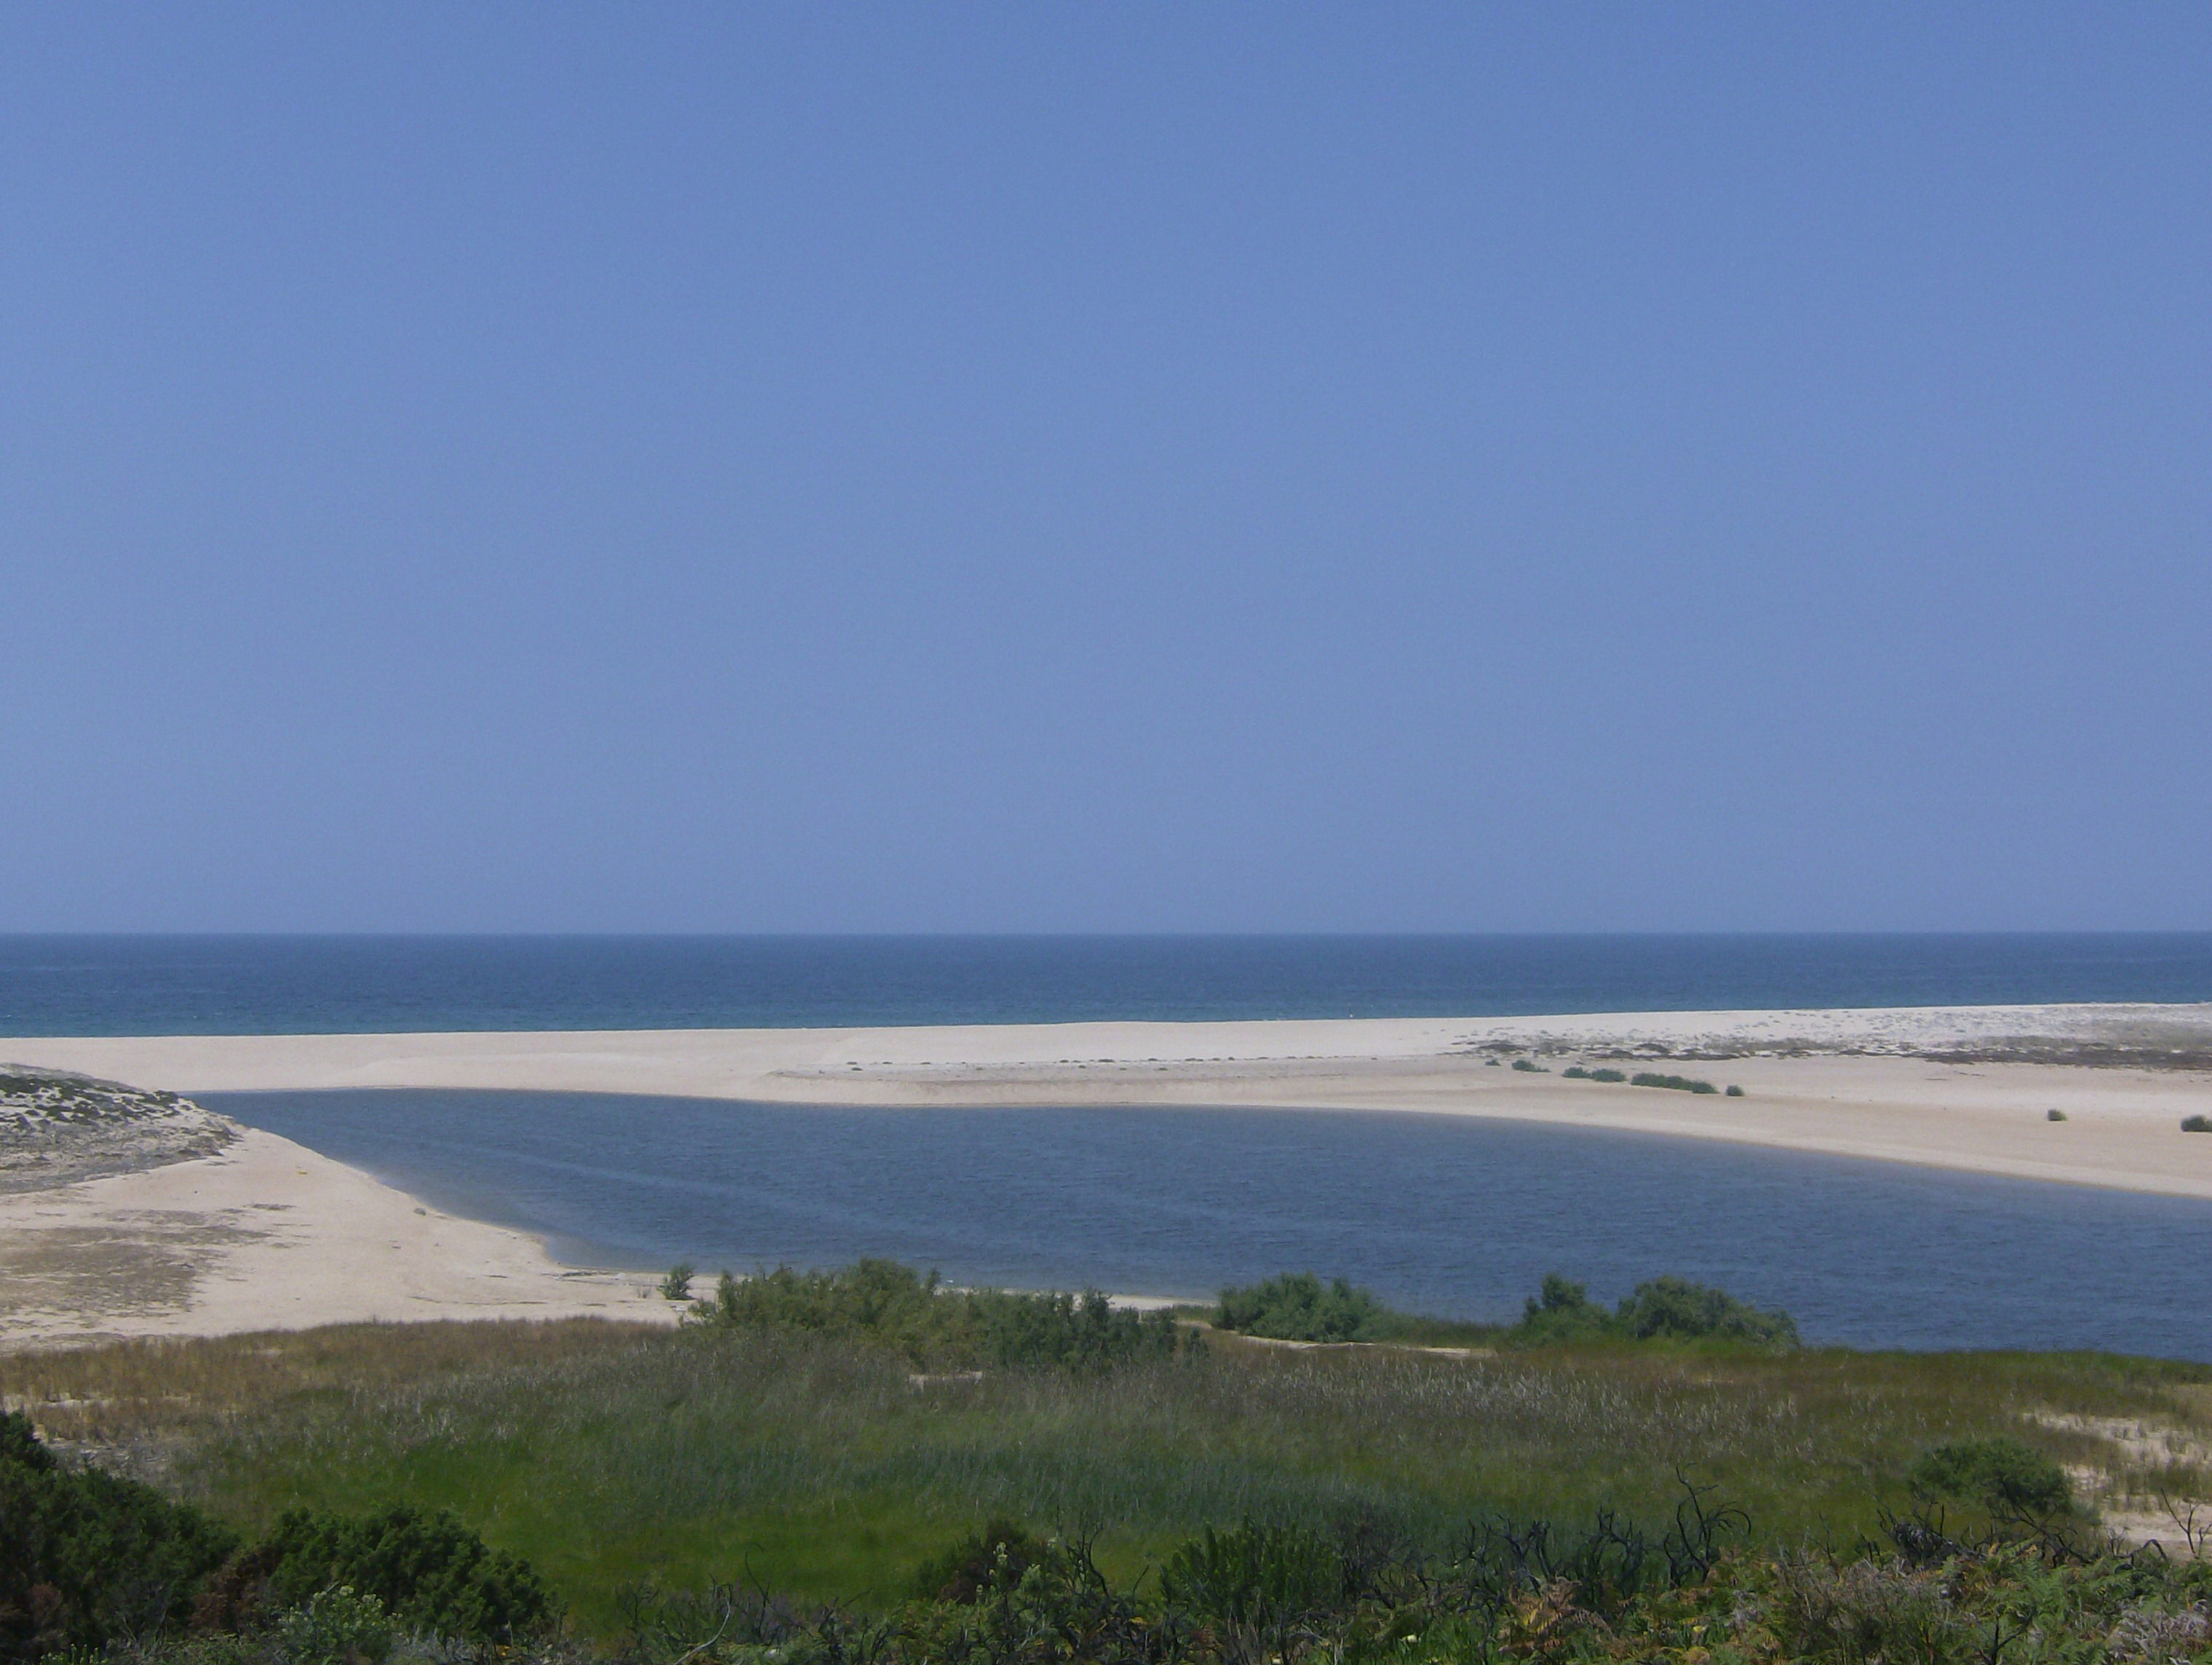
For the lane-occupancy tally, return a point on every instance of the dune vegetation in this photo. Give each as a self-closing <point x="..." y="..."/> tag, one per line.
<point x="793" y="1471"/>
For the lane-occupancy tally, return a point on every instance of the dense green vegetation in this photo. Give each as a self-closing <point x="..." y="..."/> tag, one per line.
<point x="1687" y="1586"/>
<point x="89" y="1559"/>
<point x="865" y="1468"/>
<point x="820" y="1466"/>
<point x="1298" y="1307"/>
<point x="935" y="1328"/>
<point x="1577" y="1073"/>
<point x="1662" y="1309"/>
<point x="64" y="1534"/>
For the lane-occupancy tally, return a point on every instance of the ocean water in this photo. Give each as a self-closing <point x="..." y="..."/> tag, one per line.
<point x="210" y="985"/>
<point x="1437" y="1214"/>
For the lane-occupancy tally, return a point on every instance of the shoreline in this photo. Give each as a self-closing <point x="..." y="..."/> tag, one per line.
<point x="1965" y="1088"/>
<point x="267" y="1234"/>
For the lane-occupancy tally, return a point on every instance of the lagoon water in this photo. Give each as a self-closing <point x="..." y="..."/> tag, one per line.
<point x="305" y="985"/>
<point x="1437" y="1214"/>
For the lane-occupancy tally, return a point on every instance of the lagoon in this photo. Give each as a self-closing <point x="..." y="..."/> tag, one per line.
<point x="1449" y="1215"/>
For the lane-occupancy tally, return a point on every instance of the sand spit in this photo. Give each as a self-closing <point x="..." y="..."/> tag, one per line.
<point x="265" y="1234"/>
<point x="262" y="1233"/>
<point x="1955" y="1087"/>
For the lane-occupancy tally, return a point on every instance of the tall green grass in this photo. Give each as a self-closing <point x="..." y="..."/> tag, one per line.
<point x="823" y="1466"/>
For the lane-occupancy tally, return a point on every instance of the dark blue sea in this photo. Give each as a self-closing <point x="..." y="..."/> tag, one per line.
<point x="1436" y="1213"/>
<point x="206" y="985"/>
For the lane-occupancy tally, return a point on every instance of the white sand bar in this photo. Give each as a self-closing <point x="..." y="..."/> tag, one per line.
<point x="1955" y="1087"/>
<point x="267" y="1234"/>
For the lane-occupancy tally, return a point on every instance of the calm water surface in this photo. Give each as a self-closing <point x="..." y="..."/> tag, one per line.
<point x="119" y="985"/>
<point x="1440" y="1215"/>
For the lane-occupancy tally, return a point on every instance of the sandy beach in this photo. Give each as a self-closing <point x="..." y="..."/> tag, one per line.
<point x="273" y="1234"/>
<point x="268" y="1234"/>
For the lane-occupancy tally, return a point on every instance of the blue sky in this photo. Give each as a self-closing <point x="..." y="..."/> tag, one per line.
<point x="1121" y="468"/>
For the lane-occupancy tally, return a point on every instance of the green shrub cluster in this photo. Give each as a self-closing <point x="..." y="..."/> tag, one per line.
<point x="939" y="1328"/>
<point x="2197" y="1124"/>
<point x="88" y="1560"/>
<point x="1577" y="1073"/>
<point x="1298" y="1307"/>
<point x="1669" y="1308"/>
<point x="1676" y="1082"/>
<point x="429" y="1571"/>
<point x="87" y="1556"/>
<point x="2009" y="1478"/>
<point x="1529" y="1066"/>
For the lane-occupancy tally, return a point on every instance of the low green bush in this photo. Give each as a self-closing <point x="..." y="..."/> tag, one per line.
<point x="1676" y="1082"/>
<point x="1529" y="1066"/>
<point x="2197" y="1124"/>
<point x="427" y="1570"/>
<point x="1662" y="1309"/>
<point x="2005" y="1476"/>
<point x="938" y="1328"/>
<point x="88" y="1559"/>
<point x="1254" y="1582"/>
<point x="1735" y="1091"/>
<point x="1561" y="1311"/>
<point x="340" y="1626"/>
<point x="1298" y="1307"/>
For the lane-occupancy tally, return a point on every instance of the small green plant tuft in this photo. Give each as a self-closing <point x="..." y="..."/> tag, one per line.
<point x="2054" y="1115"/>
<point x="2197" y="1124"/>
<point x="992" y="1559"/>
<point x="677" y="1285"/>
<point x="1255" y="1581"/>
<point x="1529" y="1066"/>
<point x="1735" y="1091"/>
<point x="336" y="1626"/>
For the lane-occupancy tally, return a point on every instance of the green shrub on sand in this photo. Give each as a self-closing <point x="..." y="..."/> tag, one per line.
<point x="2011" y="1479"/>
<point x="1675" y="1083"/>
